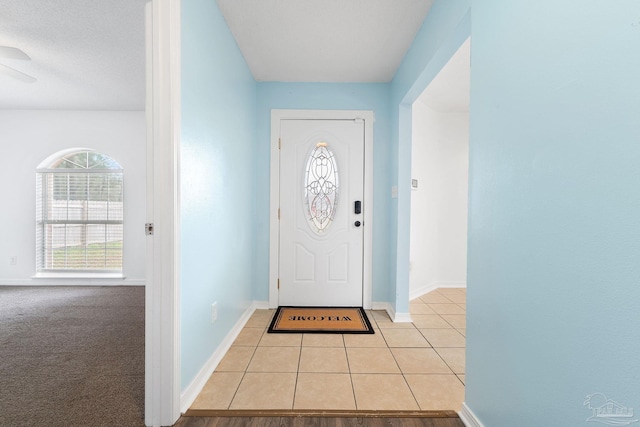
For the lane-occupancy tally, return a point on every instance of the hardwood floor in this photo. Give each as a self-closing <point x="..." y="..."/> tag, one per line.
<point x="299" y="421"/>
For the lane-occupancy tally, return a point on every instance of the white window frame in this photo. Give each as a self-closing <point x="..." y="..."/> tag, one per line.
<point x="44" y="172"/>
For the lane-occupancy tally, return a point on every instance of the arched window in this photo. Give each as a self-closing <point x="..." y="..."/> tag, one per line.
<point x="79" y="213"/>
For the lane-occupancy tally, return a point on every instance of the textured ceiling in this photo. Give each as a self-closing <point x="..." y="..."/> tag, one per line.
<point x="86" y="54"/>
<point x="89" y="54"/>
<point x="449" y="90"/>
<point x="324" y="40"/>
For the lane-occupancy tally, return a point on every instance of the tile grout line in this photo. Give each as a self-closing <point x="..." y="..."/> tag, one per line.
<point x="372" y="320"/>
<point x="295" y="386"/>
<point x="445" y="362"/>
<point x="376" y="325"/>
<point x="353" y="388"/>
<point x="415" y="399"/>
<point x="244" y="373"/>
<point x="411" y="390"/>
<point x="427" y="339"/>
<point x="235" y="393"/>
<point x="435" y="350"/>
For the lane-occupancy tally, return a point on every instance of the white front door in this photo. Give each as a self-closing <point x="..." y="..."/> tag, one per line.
<point x="321" y="212"/>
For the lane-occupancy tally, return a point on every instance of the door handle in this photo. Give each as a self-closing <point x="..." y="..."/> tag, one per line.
<point x="357" y="208"/>
<point x="357" y="224"/>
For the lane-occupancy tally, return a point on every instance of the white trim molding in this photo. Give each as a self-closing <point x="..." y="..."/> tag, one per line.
<point x="468" y="418"/>
<point x="193" y="390"/>
<point x="422" y="290"/>
<point x="384" y="306"/>
<point x="402" y="318"/>
<point x="73" y="281"/>
<point x="395" y="317"/>
<point x="274" y="230"/>
<point x="461" y="284"/>
<point x="162" y="302"/>
<point x="72" y="275"/>
<point x="261" y="305"/>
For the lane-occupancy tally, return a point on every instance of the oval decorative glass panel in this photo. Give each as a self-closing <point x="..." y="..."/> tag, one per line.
<point x="321" y="187"/>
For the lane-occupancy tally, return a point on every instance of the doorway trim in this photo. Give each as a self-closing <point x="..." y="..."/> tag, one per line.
<point x="162" y="302"/>
<point x="274" y="225"/>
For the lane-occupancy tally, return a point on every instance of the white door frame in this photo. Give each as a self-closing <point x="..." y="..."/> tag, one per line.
<point x="274" y="224"/>
<point x="162" y="303"/>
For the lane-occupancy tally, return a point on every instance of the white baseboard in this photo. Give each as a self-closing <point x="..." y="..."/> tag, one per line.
<point x="420" y="290"/>
<point x="451" y="284"/>
<point x="381" y="306"/>
<point x="402" y="318"/>
<point x="72" y="282"/>
<point x="261" y="305"/>
<point x="395" y="317"/>
<point x="190" y="393"/>
<point x="425" y="289"/>
<point x="468" y="417"/>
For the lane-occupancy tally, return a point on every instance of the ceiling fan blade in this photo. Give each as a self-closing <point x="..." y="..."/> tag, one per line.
<point x="16" y="74"/>
<point x="13" y="53"/>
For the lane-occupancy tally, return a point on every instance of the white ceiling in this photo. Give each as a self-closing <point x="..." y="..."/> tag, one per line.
<point x="89" y="54"/>
<point x="324" y="40"/>
<point x="86" y="54"/>
<point x="449" y="90"/>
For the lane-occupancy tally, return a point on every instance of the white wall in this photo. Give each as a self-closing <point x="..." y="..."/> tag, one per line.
<point x="29" y="137"/>
<point x="440" y="163"/>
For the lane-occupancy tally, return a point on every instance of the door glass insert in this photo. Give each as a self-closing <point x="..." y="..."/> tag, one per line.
<point x="321" y="187"/>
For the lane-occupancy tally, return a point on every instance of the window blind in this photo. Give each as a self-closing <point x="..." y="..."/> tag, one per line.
<point x="79" y="220"/>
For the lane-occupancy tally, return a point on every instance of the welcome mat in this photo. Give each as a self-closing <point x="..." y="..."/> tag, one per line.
<point x="328" y="320"/>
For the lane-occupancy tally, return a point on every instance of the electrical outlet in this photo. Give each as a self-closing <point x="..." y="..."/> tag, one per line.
<point x="214" y="312"/>
<point x="13" y="260"/>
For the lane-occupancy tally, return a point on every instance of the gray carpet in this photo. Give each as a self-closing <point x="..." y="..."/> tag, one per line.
<point x="71" y="356"/>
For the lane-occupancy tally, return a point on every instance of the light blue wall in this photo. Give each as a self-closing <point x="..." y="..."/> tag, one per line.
<point x="554" y="233"/>
<point x="324" y="96"/>
<point x="218" y="118"/>
<point x="444" y="30"/>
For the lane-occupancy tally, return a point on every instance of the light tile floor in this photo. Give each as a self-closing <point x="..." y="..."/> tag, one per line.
<point x="403" y="366"/>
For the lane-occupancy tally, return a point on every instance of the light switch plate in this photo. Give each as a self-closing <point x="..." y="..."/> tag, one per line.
<point x="214" y="312"/>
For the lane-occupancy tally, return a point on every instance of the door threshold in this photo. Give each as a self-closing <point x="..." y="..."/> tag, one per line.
<point x="318" y="413"/>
